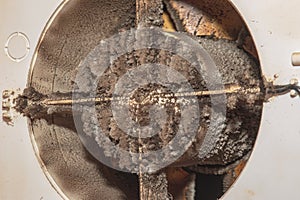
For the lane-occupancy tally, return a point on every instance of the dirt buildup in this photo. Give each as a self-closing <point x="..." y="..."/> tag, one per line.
<point x="239" y="132"/>
<point x="73" y="34"/>
<point x="243" y="110"/>
<point x="29" y="103"/>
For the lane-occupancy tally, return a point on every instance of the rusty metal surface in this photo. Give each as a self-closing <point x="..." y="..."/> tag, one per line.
<point x="213" y="18"/>
<point x="208" y="17"/>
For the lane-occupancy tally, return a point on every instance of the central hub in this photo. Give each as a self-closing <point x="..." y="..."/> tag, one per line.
<point x="153" y="103"/>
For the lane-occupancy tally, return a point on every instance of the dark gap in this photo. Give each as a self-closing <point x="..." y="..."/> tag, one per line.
<point x="208" y="187"/>
<point x="166" y="11"/>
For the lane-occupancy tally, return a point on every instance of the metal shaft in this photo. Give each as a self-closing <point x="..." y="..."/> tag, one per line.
<point x="229" y="89"/>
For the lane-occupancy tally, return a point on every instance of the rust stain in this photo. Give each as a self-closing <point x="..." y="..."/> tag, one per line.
<point x="178" y="180"/>
<point x="176" y="175"/>
<point x="214" y="18"/>
<point x="238" y="169"/>
<point x="219" y="17"/>
<point x="168" y="25"/>
<point x="250" y="192"/>
<point x="249" y="46"/>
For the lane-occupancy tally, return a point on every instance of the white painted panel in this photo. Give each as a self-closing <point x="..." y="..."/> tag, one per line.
<point x="21" y="176"/>
<point x="273" y="169"/>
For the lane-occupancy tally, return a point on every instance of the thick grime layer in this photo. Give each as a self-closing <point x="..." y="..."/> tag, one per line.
<point x="67" y="43"/>
<point x="239" y="132"/>
<point x="75" y="31"/>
